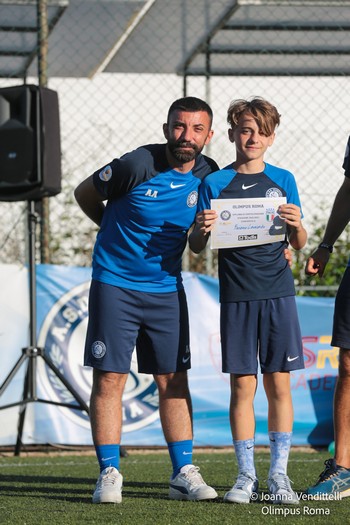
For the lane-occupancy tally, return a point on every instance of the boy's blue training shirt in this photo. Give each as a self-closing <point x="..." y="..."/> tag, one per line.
<point x="149" y="209"/>
<point x="253" y="272"/>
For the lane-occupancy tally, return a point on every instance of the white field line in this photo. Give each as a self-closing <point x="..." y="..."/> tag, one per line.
<point x="144" y="461"/>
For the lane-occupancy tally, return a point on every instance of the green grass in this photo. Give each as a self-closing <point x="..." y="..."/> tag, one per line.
<point x="57" y="491"/>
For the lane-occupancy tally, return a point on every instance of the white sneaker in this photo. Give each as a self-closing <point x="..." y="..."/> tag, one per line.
<point x="108" y="487"/>
<point x="280" y="490"/>
<point x="244" y="490"/>
<point x="189" y="485"/>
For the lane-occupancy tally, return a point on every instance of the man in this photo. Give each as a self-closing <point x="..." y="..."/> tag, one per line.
<point x="335" y="479"/>
<point x="137" y="296"/>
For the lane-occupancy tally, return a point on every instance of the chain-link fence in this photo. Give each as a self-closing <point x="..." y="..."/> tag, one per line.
<point x="118" y="65"/>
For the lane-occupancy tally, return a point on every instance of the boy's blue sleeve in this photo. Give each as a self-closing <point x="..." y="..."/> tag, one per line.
<point x="204" y="197"/>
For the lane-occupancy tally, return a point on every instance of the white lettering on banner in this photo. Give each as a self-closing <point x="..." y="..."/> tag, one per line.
<point x="82" y="304"/>
<point x="70" y="314"/>
<point x="59" y="333"/>
<point x="135" y="410"/>
<point x="152" y="399"/>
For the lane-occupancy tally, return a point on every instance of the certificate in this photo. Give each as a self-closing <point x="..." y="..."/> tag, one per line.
<point x="247" y="222"/>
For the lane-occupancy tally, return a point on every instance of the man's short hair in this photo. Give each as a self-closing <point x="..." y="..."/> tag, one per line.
<point x="191" y="104"/>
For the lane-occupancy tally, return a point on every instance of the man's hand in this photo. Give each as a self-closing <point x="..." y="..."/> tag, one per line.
<point x="288" y="256"/>
<point x="316" y="263"/>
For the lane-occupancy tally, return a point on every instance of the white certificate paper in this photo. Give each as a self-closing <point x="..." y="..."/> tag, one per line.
<point x="247" y="222"/>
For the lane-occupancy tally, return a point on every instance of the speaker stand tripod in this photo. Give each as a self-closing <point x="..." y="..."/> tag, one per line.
<point x="31" y="353"/>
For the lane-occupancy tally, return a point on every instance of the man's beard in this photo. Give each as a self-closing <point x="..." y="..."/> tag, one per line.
<point x="175" y="148"/>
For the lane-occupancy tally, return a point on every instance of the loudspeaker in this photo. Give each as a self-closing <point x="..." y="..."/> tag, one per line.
<point x="30" y="150"/>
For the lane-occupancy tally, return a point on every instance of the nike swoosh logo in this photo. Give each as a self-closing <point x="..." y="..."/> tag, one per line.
<point x="107" y="459"/>
<point x="186" y="453"/>
<point x="292" y="358"/>
<point x="173" y="186"/>
<point x="244" y="187"/>
<point x="186" y="359"/>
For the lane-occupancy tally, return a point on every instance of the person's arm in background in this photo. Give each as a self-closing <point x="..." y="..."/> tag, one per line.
<point x="337" y="222"/>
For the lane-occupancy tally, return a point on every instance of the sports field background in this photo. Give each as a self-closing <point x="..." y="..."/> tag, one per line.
<point x="56" y="489"/>
<point x="109" y="108"/>
<point x="117" y="66"/>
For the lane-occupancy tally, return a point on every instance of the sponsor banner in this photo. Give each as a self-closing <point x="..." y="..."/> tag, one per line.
<point x="62" y="310"/>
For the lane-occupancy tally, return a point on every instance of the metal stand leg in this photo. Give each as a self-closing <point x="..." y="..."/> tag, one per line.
<point x="32" y="352"/>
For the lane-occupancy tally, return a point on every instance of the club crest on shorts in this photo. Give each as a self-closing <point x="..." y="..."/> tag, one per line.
<point x="63" y="335"/>
<point x="98" y="349"/>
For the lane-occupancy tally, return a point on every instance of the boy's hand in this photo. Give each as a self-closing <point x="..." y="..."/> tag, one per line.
<point x="291" y="214"/>
<point x="200" y="234"/>
<point x="205" y="221"/>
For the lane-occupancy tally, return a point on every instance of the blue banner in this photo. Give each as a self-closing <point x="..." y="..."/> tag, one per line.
<point x="62" y="302"/>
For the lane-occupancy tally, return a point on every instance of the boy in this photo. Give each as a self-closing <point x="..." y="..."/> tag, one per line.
<point x="258" y="309"/>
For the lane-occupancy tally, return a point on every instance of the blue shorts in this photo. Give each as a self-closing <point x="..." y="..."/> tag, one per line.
<point x="266" y="330"/>
<point x="341" y="321"/>
<point x="120" y="319"/>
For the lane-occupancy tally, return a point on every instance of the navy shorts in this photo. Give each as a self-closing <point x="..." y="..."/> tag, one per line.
<point x="341" y="321"/>
<point x="267" y="331"/>
<point x="120" y="320"/>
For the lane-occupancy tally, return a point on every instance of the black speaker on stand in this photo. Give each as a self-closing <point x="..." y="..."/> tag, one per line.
<point x="30" y="151"/>
<point x="30" y="168"/>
